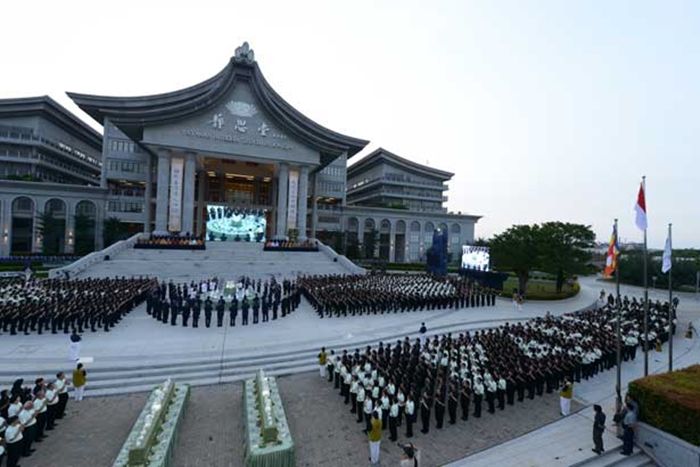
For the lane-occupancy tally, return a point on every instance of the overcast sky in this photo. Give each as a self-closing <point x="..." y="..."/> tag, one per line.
<point x="545" y="110"/>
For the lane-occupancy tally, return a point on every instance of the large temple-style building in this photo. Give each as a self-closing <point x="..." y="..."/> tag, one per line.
<point x="232" y="141"/>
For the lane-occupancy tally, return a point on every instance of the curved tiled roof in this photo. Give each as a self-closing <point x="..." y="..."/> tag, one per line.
<point x="132" y="114"/>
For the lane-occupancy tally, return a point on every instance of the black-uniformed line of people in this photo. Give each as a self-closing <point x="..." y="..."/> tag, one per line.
<point x="336" y="295"/>
<point x="26" y="415"/>
<point x="66" y="305"/>
<point x="168" y="302"/>
<point x="451" y="374"/>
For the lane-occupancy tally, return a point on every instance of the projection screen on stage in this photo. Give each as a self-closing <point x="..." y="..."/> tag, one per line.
<point x="229" y="224"/>
<point x="476" y="257"/>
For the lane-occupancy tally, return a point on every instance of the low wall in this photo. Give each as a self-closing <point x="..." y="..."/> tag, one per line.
<point x="342" y="260"/>
<point x="73" y="269"/>
<point x="666" y="449"/>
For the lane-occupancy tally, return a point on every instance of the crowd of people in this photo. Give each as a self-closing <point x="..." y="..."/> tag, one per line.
<point x="451" y="377"/>
<point x="336" y="295"/>
<point x="291" y="245"/>
<point x="27" y="413"/>
<point x="66" y="305"/>
<point x="170" y="302"/>
<point x="180" y="242"/>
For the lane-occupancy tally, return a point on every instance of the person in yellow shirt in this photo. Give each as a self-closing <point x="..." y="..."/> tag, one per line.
<point x="322" y="360"/>
<point x="565" y="396"/>
<point x="375" y="439"/>
<point x="79" y="382"/>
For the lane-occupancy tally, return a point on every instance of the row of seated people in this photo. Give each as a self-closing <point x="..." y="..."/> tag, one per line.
<point x="449" y="375"/>
<point x="292" y="245"/>
<point x="27" y="414"/>
<point x="55" y="305"/>
<point x="184" y="241"/>
<point x="336" y="295"/>
<point x="168" y="302"/>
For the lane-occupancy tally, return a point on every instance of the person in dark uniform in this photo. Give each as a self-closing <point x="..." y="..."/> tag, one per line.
<point x="244" y="310"/>
<point x="196" y="312"/>
<point x="439" y="411"/>
<point x="208" y="307"/>
<point x="186" y="309"/>
<point x="452" y="405"/>
<point x="256" y="309"/>
<point x="220" y="309"/>
<point x="425" y="413"/>
<point x="233" y="311"/>
<point x="174" y="310"/>
<point x="464" y="396"/>
<point x="265" y="310"/>
<point x="165" y="311"/>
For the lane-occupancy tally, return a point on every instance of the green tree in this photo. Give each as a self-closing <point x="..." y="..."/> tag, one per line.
<point x="114" y="230"/>
<point x="370" y="240"/>
<point x="516" y="250"/>
<point x="52" y="231"/>
<point x="564" y="249"/>
<point x="84" y="234"/>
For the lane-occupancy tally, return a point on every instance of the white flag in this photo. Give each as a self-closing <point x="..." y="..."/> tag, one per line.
<point x="666" y="261"/>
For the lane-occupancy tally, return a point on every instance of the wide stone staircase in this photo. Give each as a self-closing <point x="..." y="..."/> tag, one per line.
<point x="613" y="457"/>
<point x="220" y="259"/>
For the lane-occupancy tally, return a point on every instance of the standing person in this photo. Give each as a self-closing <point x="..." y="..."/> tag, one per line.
<point x="565" y="396"/>
<point x="61" y="385"/>
<point x="410" y="414"/>
<point x="74" y="348"/>
<point x="208" y="307"/>
<point x="15" y="441"/>
<point x="322" y="359"/>
<point x="27" y="418"/>
<point x="423" y="330"/>
<point x="41" y="414"/>
<point x="220" y="308"/>
<point x="51" y="406"/>
<point x="598" y="428"/>
<point x="375" y="439"/>
<point x="79" y="382"/>
<point x="393" y="419"/>
<point x="628" y="423"/>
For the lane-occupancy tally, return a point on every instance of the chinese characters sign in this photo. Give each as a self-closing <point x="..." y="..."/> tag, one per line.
<point x="176" y="175"/>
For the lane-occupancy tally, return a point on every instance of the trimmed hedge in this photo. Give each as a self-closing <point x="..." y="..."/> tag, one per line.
<point x="671" y="402"/>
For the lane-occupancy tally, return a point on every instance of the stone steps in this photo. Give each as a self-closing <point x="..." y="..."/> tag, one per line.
<point x="614" y="458"/>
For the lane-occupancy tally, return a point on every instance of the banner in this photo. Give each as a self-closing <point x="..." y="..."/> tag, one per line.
<point x="292" y="199"/>
<point x="175" y="206"/>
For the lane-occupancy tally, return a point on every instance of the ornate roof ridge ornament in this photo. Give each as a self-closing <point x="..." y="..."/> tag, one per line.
<point x="244" y="54"/>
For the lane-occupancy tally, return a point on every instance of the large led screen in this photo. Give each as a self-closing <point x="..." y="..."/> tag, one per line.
<point x="230" y="224"/>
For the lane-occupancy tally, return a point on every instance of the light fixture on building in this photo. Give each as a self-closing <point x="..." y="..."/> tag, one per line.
<point x="5" y="236"/>
<point x="70" y="237"/>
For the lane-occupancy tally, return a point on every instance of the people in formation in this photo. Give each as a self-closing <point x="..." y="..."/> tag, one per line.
<point x="457" y="376"/>
<point x="256" y="300"/>
<point x="336" y="295"/>
<point x="175" y="241"/>
<point x="292" y="245"/>
<point x="66" y="305"/>
<point x="27" y="414"/>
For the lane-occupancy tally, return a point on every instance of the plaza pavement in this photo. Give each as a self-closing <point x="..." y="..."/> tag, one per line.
<point x="569" y="440"/>
<point x="140" y="352"/>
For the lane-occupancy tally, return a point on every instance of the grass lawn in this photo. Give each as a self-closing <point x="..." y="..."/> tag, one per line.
<point x="540" y="289"/>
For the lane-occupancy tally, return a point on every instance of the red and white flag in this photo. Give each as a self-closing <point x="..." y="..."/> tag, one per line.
<point x="641" y="209"/>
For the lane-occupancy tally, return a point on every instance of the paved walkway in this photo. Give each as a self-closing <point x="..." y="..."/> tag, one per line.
<point x="569" y="440"/>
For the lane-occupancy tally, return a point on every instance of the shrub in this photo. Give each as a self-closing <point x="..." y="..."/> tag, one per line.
<point x="671" y="402"/>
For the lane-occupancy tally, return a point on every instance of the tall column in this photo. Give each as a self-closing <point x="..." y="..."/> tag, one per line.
<point x="302" y="200"/>
<point x="201" y="198"/>
<point x="392" y="242"/>
<point x="163" y="190"/>
<point x="148" y="194"/>
<point x="282" y="185"/>
<point x="314" y="207"/>
<point x="99" y="225"/>
<point x="69" y="235"/>
<point x="188" y="193"/>
<point x="6" y="226"/>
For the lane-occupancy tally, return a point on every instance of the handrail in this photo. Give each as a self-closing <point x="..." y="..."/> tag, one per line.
<point x="341" y="259"/>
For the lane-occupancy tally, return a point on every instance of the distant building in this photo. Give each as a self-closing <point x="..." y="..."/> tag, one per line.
<point x="230" y="140"/>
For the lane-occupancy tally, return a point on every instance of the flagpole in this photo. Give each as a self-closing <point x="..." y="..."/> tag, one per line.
<point x="618" y="385"/>
<point x="646" y="291"/>
<point x="670" y="306"/>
